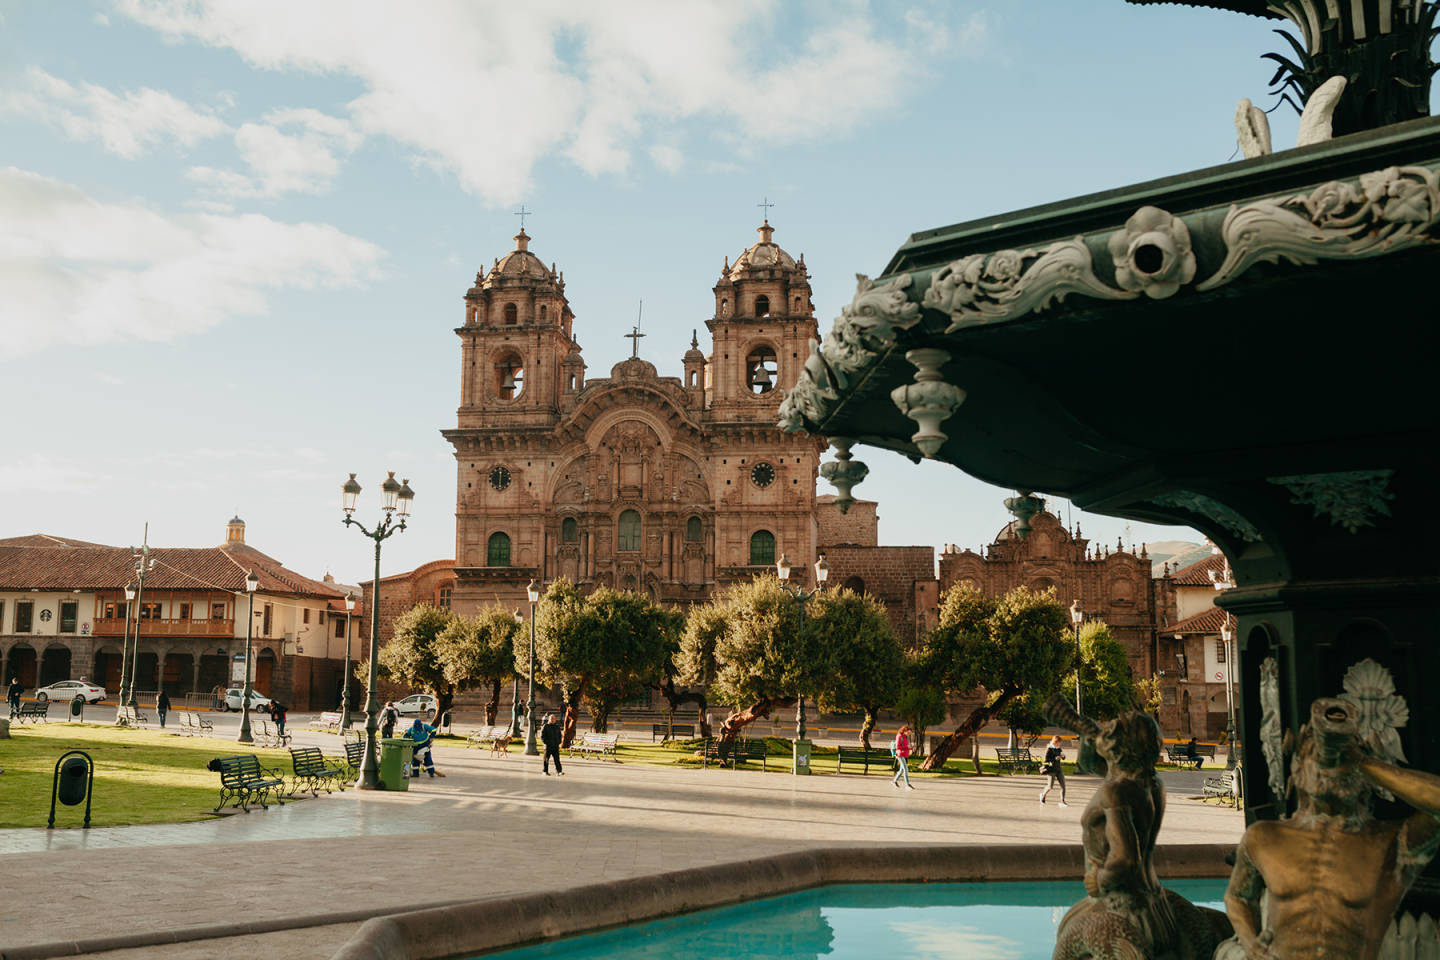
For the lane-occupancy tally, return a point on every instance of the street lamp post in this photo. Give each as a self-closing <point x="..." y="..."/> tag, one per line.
<point x="532" y="592"/>
<point x="395" y="499"/>
<point x="822" y="573"/>
<point x="124" y="651"/>
<point x="1076" y="618"/>
<point x="252" y="582"/>
<point x="515" y="691"/>
<point x="345" y="678"/>
<point x="143" y="565"/>
<point x="1226" y="635"/>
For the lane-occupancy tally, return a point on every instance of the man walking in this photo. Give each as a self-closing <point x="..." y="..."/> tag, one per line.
<point x="13" y="695"/>
<point x="550" y="736"/>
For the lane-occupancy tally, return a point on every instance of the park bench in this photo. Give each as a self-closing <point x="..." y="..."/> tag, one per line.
<point x="1226" y="786"/>
<point x="330" y="720"/>
<point x="243" y="781"/>
<point x="315" y="771"/>
<point x="883" y="759"/>
<point x="486" y="736"/>
<point x="749" y="750"/>
<point x="1015" y="760"/>
<point x="269" y="735"/>
<point x="130" y="717"/>
<point x="194" y="724"/>
<point x="597" y="744"/>
<point x="354" y="756"/>
<point x="37" y="710"/>
<point x="674" y="731"/>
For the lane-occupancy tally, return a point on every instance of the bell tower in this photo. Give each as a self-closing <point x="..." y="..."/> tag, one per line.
<point x="761" y="330"/>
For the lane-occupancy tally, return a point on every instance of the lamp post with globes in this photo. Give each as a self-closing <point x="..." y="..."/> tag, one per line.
<point x="252" y="582"/>
<point x="1077" y="617"/>
<point x="514" y="732"/>
<point x="532" y="593"/>
<point x="395" y="500"/>
<point x="1231" y="749"/>
<point x="124" y="652"/>
<point x="144" y="563"/>
<point x="345" y="677"/>
<point x="801" y="762"/>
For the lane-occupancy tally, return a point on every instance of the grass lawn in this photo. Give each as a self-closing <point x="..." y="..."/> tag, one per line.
<point x="141" y="776"/>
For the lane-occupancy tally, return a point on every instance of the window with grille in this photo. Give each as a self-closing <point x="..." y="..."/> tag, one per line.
<point x="24" y="612"/>
<point x="629" y="531"/>
<point x="762" y="548"/>
<point x="68" y="615"/>
<point x="498" y="554"/>
<point x="1220" y="651"/>
<point x="444" y="599"/>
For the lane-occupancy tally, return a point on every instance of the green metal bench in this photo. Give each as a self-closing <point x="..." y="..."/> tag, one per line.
<point x="865" y="758"/>
<point x="243" y="781"/>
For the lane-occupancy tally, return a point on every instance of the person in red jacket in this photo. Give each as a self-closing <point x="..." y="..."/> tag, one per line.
<point x="902" y="755"/>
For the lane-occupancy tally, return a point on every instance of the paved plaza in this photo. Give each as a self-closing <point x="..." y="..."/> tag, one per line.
<point x="296" y="881"/>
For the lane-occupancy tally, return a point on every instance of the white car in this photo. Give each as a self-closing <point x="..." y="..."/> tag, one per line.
<point x="66" y="690"/>
<point x="257" y="702"/>
<point x="421" y="703"/>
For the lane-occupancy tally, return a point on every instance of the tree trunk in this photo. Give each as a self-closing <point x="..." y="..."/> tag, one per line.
<point x="704" y="725"/>
<point x="572" y="716"/>
<point x="739" y="719"/>
<point x="980" y="716"/>
<point x="675" y="697"/>
<point x="867" y="727"/>
<point x="444" y="701"/>
<point x="599" y="718"/>
<point x="494" y="705"/>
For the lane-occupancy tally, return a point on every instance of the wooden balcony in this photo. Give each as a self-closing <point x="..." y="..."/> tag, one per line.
<point x="165" y="627"/>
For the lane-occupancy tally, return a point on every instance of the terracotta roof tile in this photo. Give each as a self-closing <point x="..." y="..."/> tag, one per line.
<point x="1198" y="573"/>
<point x="1207" y="621"/>
<point x="26" y="564"/>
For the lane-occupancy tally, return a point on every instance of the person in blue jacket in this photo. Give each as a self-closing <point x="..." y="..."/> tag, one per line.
<point x="423" y="734"/>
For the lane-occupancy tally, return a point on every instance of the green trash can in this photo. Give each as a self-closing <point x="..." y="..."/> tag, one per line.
<point x="395" y="762"/>
<point x="802" y="756"/>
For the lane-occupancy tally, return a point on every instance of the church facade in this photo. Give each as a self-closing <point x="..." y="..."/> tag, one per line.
<point x="670" y="486"/>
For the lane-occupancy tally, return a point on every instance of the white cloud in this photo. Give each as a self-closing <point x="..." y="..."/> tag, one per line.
<point x="484" y="91"/>
<point x="41" y="473"/>
<point x="667" y="157"/>
<point x="76" y="270"/>
<point x="126" y="124"/>
<point x="292" y="151"/>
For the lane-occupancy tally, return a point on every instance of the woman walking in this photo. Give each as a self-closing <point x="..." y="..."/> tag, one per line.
<point x="1052" y="767"/>
<point x="902" y="756"/>
<point x="162" y="707"/>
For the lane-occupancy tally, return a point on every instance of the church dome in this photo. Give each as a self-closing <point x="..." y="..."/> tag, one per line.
<point x="764" y="256"/>
<point x="520" y="264"/>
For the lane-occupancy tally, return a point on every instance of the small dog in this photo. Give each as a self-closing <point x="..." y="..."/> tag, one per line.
<point x="500" y="746"/>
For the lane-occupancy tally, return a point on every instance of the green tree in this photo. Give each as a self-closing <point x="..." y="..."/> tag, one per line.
<point x="1147" y="695"/>
<point x="865" y="662"/>
<point x="687" y="673"/>
<point x="1006" y="647"/>
<point x="479" y="650"/>
<point x="1106" y="687"/>
<point x="409" y="656"/>
<point x="761" y="659"/>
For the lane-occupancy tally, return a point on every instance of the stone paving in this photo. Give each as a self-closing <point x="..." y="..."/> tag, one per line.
<point x="495" y="827"/>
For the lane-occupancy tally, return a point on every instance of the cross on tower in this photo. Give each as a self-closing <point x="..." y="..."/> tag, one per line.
<point x="634" y="335"/>
<point x="765" y="204"/>
<point x="522" y="213"/>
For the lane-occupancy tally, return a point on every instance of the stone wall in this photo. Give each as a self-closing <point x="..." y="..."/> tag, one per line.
<point x="897" y="576"/>
<point x="858" y="527"/>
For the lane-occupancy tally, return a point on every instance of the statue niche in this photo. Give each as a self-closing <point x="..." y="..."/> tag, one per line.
<point x="633" y="446"/>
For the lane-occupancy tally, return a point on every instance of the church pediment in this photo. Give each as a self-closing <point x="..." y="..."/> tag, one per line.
<point x="655" y="403"/>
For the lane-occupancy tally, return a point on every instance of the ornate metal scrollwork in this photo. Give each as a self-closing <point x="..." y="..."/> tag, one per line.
<point x="929" y="400"/>
<point x="1352" y="499"/>
<point x="1210" y="508"/>
<point x="1152" y="253"/>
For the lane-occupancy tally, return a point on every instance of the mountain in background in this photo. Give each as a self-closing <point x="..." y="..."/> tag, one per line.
<point x="1178" y="553"/>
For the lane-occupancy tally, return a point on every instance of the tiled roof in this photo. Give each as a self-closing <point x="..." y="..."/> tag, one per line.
<point x="1207" y="621"/>
<point x="1198" y="573"/>
<point x="44" y="540"/>
<point x="26" y="564"/>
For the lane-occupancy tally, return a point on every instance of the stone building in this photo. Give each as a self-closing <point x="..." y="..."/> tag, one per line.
<point x="1196" y="651"/>
<point x="1112" y="585"/>
<point x="665" y="485"/>
<point x="64" y="615"/>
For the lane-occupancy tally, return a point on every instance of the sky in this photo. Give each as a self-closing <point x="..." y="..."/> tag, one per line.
<point x="235" y="236"/>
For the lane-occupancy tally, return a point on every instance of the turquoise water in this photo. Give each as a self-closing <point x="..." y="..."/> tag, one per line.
<point x="939" y="921"/>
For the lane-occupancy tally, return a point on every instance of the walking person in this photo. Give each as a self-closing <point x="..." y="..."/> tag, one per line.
<point x="162" y="707"/>
<point x="424" y="735"/>
<point x="388" y="718"/>
<point x="277" y="713"/>
<point x="12" y="694"/>
<point x="901" y="748"/>
<point x="550" y="736"/>
<point x="1054" y="768"/>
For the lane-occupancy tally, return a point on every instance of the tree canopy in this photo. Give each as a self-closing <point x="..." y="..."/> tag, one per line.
<point x="865" y="660"/>
<point x="1106" y="687"/>
<point x="478" y="651"/>
<point x="409" y="657"/>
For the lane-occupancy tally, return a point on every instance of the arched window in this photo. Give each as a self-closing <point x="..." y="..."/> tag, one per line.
<point x="693" y="529"/>
<point x="762" y="306"/>
<point x="498" y="554"/>
<point x="629" y="531"/>
<point x="512" y="315"/>
<point x="797" y="306"/>
<point x="569" y="530"/>
<point x="724" y="306"/>
<point x="510" y="377"/>
<point x="544" y="310"/>
<point x="762" y="548"/>
<point x="854" y="583"/>
<point x="760" y="369"/>
<point x="693" y="375"/>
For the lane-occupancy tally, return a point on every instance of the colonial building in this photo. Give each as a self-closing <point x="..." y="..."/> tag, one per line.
<point x="1201" y="663"/>
<point x="665" y="485"/>
<point x="1112" y="585"/>
<point x="64" y="615"/>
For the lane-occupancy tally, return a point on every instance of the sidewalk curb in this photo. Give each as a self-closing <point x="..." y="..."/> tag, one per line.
<point x="477" y="927"/>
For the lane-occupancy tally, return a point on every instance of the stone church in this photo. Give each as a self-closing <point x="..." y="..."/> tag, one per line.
<point x="666" y="485"/>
